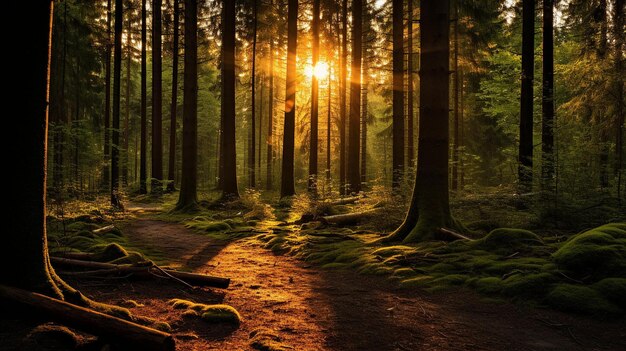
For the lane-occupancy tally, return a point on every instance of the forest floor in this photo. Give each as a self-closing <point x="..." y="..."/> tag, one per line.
<point x="310" y="308"/>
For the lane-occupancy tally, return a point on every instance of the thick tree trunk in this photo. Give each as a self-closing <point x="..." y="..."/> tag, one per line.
<point x="157" y="100"/>
<point x="364" y="115"/>
<point x="411" y="105"/>
<point x="188" y="198"/>
<point x="229" y="150"/>
<point x="620" y="108"/>
<point x="125" y="162"/>
<point x="25" y="255"/>
<point x="115" y="132"/>
<point x="343" y="82"/>
<point x="429" y="209"/>
<point x="398" y="93"/>
<point x="328" y="130"/>
<point x="314" y="131"/>
<point x="525" y="156"/>
<point x="252" y="144"/>
<point x="547" y="105"/>
<point x="171" y="167"/>
<point x="143" y="188"/>
<point x="106" y="170"/>
<point x="354" y="130"/>
<point x="287" y="182"/>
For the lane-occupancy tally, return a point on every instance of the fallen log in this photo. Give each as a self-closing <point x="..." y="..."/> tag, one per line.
<point x="192" y="278"/>
<point x="450" y="235"/>
<point x="90" y="321"/>
<point x="104" y="230"/>
<point x="344" y="201"/>
<point x="349" y="218"/>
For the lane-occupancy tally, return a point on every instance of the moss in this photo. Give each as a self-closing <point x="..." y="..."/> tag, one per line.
<point x="528" y="285"/>
<point x="447" y="281"/>
<point x="394" y="250"/>
<point x="79" y="226"/>
<point x="508" y="240"/>
<point x="130" y="304"/>
<point x="133" y="257"/>
<point x="162" y="326"/>
<point x="403" y="272"/>
<point x="180" y="303"/>
<point x="109" y="252"/>
<point x="488" y="285"/>
<point x="191" y="314"/>
<point x="416" y="282"/>
<point x="614" y="289"/>
<point x="50" y="337"/>
<point x="581" y="299"/>
<point x="221" y="314"/>
<point x="599" y="252"/>
<point x="264" y="339"/>
<point x="334" y="265"/>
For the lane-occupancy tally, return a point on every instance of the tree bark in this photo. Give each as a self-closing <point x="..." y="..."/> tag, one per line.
<point x="314" y="131"/>
<point x="157" y="100"/>
<point x="398" y="93"/>
<point x="115" y="132"/>
<point x="143" y="188"/>
<point x="343" y="82"/>
<point x="125" y="162"/>
<point x="429" y="208"/>
<point x="106" y="170"/>
<point x="188" y="198"/>
<point x="455" y="140"/>
<point x="252" y="145"/>
<point x="411" y="105"/>
<point x="618" y="34"/>
<point x="287" y="182"/>
<point x="547" y="105"/>
<point x="525" y="156"/>
<point x="171" y="168"/>
<point x="354" y="130"/>
<point x="270" y="115"/>
<point x="229" y="150"/>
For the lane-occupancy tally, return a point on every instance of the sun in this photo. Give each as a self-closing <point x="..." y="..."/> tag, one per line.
<point x="320" y="71"/>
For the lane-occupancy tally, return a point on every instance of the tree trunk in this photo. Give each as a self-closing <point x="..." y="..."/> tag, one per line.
<point x="252" y="144"/>
<point x="328" y="129"/>
<point x="171" y="167"/>
<point x="343" y="82"/>
<point x="229" y="150"/>
<point x="188" y="198"/>
<point x="125" y="162"/>
<point x="314" y="131"/>
<point x="364" y="115"/>
<point x="398" y="93"/>
<point x="618" y="34"/>
<point x="115" y="132"/>
<point x="411" y="105"/>
<point x="107" y="102"/>
<point x="525" y="157"/>
<point x="455" y="140"/>
<point x="157" y="101"/>
<point x="354" y="130"/>
<point x="270" y="115"/>
<point x="547" y="105"/>
<point x="143" y="188"/>
<point x="287" y="182"/>
<point x="429" y="209"/>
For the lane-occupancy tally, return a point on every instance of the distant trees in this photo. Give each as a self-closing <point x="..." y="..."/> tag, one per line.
<point x="398" y="92"/>
<point x="287" y="182"/>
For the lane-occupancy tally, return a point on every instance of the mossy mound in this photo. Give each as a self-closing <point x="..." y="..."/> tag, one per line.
<point x="599" y="252"/>
<point x="264" y="339"/>
<point x="581" y="299"/>
<point x="614" y="289"/>
<point x="528" y="285"/>
<point x="488" y="285"/>
<point x="109" y="252"/>
<point x="508" y="241"/>
<point x="50" y="337"/>
<point x="209" y="313"/>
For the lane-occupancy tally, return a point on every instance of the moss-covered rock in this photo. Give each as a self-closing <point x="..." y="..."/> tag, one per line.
<point x="109" y="252"/>
<point x="599" y="252"/>
<point x="180" y="303"/>
<point x="581" y="299"/>
<point x="508" y="241"/>
<point x="220" y="314"/>
<point x="49" y="337"/>
<point x="528" y="285"/>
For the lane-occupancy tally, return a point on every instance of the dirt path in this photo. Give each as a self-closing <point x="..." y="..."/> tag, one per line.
<point x="314" y="309"/>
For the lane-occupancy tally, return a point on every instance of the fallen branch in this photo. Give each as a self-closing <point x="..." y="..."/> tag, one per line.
<point x="92" y="322"/>
<point x="104" y="230"/>
<point x="349" y="218"/>
<point x="344" y="201"/>
<point x="450" y="235"/>
<point x="189" y="278"/>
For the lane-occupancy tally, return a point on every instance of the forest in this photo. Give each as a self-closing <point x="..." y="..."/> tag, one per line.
<point x="279" y="175"/>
